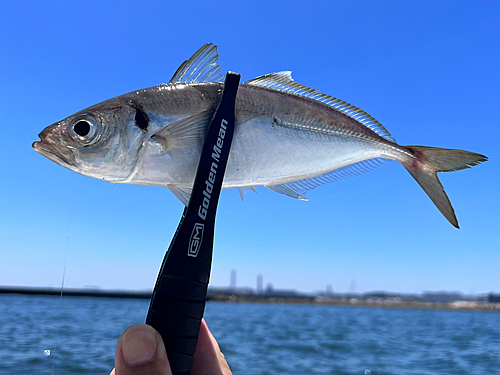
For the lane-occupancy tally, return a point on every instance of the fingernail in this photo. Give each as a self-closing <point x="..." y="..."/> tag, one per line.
<point x="139" y="345"/>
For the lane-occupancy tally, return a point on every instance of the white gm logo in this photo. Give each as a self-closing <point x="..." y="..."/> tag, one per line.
<point x="195" y="240"/>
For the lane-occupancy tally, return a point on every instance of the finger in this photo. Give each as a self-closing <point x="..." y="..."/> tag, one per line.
<point x="141" y="351"/>
<point x="208" y="358"/>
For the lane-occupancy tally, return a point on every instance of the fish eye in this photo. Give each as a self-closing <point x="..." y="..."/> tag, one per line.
<point x="85" y="129"/>
<point x="82" y="128"/>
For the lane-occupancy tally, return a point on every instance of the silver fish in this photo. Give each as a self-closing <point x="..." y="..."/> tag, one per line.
<point x="288" y="137"/>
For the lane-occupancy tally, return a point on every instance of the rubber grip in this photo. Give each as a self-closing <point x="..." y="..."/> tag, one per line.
<point x="177" y="312"/>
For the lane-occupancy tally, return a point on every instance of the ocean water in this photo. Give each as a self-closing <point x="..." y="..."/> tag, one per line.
<point x="81" y="334"/>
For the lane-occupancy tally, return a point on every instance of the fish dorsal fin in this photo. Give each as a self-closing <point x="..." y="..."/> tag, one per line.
<point x="283" y="81"/>
<point x="203" y="66"/>
<point x="276" y="80"/>
<point x="298" y="189"/>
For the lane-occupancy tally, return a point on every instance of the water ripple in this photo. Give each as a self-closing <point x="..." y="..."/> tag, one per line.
<point x="258" y="339"/>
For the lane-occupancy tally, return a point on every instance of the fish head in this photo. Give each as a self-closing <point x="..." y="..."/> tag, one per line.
<point x="100" y="141"/>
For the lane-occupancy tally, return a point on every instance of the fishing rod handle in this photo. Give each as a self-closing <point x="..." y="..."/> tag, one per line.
<point x="178" y="300"/>
<point x="176" y="314"/>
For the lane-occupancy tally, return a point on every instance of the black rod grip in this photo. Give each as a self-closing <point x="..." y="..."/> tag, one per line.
<point x="176" y="314"/>
<point x="178" y="300"/>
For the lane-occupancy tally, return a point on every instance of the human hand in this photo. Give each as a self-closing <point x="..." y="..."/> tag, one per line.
<point x="140" y="351"/>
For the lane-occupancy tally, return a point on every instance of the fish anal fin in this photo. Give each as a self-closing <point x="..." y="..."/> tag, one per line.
<point x="298" y="189"/>
<point x="288" y="190"/>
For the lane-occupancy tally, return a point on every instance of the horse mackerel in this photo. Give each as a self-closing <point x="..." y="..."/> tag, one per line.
<point x="288" y="137"/>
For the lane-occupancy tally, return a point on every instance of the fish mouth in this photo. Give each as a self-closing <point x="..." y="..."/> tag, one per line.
<point x="48" y="151"/>
<point x="62" y="156"/>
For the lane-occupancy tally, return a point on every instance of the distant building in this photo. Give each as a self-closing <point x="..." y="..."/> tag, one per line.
<point x="232" y="283"/>
<point x="269" y="288"/>
<point x="214" y="292"/>
<point x="283" y="293"/>
<point x="442" y="296"/>
<point x="352" y="288"/>
<point x="329" y="290"/>
<point x="260" y="284"/>
<point x="493" y="298"/>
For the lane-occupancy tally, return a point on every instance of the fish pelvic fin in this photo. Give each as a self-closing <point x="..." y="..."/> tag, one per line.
<point x="182" y="193"/>
<point x="244" y="190"/>
<point x="428" y="162"/>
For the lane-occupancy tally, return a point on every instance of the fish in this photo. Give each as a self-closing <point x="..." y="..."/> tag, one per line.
<point x="287" y="137"/>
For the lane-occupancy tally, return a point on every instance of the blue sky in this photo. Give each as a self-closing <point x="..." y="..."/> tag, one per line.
<point x="428" y="71"/>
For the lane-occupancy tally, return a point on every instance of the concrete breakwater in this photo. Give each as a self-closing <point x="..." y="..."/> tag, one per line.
<point x="429" y="300"/>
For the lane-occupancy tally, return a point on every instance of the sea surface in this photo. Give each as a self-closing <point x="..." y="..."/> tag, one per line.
<point x="81" y="334"/>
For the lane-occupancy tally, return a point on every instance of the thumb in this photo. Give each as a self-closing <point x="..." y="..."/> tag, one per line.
<point x="140" y="350"/>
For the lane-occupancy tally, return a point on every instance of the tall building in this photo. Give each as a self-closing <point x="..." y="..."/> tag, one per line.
<point x="329" y="290"/>
<point x="232" y="283"/>
<point x="260" y="284"/>
<point x="352" y="288"/>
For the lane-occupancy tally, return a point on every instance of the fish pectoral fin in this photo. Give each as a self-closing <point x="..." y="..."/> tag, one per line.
<point x="182" y="193"/>
<point x="203" y="66"/>
<point x="188" y="132"/>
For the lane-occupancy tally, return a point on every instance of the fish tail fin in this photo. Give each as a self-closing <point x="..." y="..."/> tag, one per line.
<point x="426" y="164"/>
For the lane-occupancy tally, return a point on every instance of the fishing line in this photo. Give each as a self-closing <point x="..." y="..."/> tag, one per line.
<point x="48" y="352"/>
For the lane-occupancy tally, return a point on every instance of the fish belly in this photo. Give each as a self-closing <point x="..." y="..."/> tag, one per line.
<point x="263" y="153"/>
